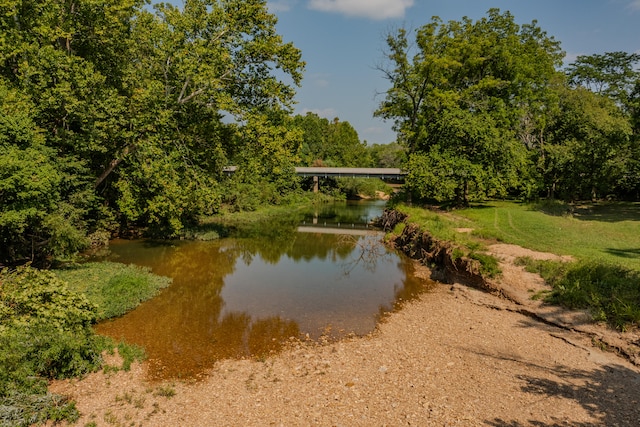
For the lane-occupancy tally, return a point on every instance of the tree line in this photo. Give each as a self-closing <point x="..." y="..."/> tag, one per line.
<point x="486" y="109"/>
<point x="118" y="116"/>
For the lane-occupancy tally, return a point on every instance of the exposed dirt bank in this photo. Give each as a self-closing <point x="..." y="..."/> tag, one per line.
<point x="455" y="356"/>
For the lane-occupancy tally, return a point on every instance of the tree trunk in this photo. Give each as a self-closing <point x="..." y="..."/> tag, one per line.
<point x="112" y="165"/>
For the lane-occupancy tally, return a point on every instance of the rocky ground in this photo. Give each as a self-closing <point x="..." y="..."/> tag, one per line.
<point x="455" y="356"/>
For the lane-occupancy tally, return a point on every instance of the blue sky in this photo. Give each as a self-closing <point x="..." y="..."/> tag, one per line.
<point x="342" y="42"/>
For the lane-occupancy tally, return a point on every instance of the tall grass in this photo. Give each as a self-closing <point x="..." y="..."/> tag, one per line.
<point x="610" y="292"/>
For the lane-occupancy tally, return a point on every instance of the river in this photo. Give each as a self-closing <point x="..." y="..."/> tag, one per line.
<point x="326" y="275"/>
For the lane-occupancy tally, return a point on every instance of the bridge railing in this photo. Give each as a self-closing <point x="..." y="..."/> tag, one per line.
<point x="382" y="173"/>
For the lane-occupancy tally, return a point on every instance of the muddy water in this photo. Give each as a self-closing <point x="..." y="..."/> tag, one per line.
<point x="243" y="296"/>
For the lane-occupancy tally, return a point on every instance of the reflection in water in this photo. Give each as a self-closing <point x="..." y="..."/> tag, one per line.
<point x="240" y="297"/>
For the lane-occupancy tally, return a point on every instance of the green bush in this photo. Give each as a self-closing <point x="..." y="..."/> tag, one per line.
<point x="45" y="333"/>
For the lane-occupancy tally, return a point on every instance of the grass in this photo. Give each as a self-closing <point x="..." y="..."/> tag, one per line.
<point x="444" y="227"/>
<point x="114" y="288"/>
<point x="607" y="232"/>
<point x="610" y="291"/>
<point x="604" y="238"/>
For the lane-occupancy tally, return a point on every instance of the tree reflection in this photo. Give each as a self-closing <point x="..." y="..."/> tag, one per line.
<point x="229" y="299"/>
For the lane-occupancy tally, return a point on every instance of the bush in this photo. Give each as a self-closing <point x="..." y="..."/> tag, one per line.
<point x="45" y="333"/>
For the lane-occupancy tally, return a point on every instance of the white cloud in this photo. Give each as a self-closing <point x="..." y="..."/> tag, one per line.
<point x="374" y="9"/>
<point x="634" y="5"/>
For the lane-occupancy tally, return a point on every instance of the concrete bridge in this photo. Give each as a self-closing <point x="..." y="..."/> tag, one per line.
<point x="395" y="174"/>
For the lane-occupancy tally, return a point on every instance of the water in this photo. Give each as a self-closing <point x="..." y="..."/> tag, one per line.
<point x="244" y="296"/>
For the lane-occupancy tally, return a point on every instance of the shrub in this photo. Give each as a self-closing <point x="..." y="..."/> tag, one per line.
<point x="45" y="333"/>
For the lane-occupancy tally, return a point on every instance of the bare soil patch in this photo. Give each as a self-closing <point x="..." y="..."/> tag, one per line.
<point x="455" y="356"/>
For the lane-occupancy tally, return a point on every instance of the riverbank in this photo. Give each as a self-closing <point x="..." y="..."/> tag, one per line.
<point x="454" y="356"/>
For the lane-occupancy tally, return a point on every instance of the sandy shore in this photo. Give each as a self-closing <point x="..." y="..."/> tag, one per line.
<point x="455" y="356"/>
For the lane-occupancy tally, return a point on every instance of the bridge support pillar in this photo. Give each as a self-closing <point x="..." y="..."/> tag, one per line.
<point x="315" y="184"/>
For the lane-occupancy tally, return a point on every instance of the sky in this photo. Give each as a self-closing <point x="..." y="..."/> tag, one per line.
<point x="342" y="43"/>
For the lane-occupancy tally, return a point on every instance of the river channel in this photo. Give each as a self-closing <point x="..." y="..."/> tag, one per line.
<point x="322" y="273"/>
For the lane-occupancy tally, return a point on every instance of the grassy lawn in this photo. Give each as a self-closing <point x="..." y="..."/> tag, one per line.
<point x="604" y="238"/>
<point x="602" y="232"/>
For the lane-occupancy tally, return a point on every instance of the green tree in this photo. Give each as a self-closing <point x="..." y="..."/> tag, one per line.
<point x="265" y="153"/>
<point x="588" y="146"/>
<point x="612" y="74"/>
<point x="330" y="143"/>
<point x="41" y="204"/>
<point x="465" y="99"/>
<point x="195" y="66"/>
<point x="392" y="155"/>
<point x="136" y="110"/>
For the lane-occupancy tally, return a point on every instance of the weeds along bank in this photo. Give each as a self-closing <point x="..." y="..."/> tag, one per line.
<point x="599" y="280"/>
<point x="450" y="262"/>
<point x="46" y="332"/>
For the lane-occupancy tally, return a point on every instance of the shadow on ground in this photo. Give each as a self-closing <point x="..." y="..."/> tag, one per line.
<point x="624" y="253"/>
<point x="609" y="212"/>
<point x="610" y="395"/>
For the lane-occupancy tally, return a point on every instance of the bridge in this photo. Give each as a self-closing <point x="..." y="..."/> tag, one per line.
<point x="395" y="174"/>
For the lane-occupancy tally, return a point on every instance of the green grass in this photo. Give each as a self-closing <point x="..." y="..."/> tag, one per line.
<point x="604" y="239"/>
<point x="608" y="233"/>
<point x="443" y="226"/>
<point x="611" y="292"/>
<point x="114" y="288"/>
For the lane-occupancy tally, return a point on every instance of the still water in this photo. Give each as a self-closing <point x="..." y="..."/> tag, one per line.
<point x="319" y="273"/>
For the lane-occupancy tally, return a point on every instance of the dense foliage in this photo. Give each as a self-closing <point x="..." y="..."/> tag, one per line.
<point x="484" y="109"/>
<point x="116" y="114"/>
<point x="330" y="143"/>
<point x="45" y="333"/>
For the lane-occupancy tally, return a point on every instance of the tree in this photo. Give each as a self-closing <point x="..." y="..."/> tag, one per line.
<point x="465" y="98"/>
<point x="42" y="204"/>
<point x="392" y="155"/>
<point x="330" y="143"/>
<point x="142" y="107"/>
<point x="611" y="74"/>
<point x="194" y="66"/>
<point x="588" y="146"/>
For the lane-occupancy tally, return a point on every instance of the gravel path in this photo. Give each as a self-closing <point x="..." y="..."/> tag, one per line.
<point x="455" y="356"/>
